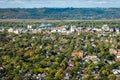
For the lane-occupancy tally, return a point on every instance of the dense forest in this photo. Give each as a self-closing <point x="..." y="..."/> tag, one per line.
<point x="60" y="13"/>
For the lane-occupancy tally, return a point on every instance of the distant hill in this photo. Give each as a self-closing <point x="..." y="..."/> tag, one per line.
<point x="61" y="13"/>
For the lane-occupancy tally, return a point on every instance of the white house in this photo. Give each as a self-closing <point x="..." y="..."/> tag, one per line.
<point x="92" y="58"/>
<point x="116" y="72"/>
<point x="10" y="30"/>
<point x="29" y="26"/>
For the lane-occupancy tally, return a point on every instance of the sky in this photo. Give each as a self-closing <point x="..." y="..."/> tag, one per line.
<point x="59" y="3"/>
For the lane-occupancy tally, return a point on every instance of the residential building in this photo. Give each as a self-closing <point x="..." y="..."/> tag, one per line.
<point x="77" y="54"/>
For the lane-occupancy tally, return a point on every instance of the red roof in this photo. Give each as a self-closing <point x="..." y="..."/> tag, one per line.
<point x="77" y="54"/>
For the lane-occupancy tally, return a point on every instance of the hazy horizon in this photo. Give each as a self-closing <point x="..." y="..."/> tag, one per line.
<point x="59" y="4"/>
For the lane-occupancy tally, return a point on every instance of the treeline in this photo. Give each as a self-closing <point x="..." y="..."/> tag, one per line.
<point x="60" y="13"/>
<point x="98" y="24"/>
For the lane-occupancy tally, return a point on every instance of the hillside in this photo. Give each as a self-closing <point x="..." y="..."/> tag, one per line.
<point x="60" y="13"/>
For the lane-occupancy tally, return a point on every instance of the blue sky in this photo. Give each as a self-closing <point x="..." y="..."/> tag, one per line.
<point x="59" y="3"/>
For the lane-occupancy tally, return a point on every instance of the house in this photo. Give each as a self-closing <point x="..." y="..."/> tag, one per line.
<point x="116" y="72"/>
<point x="118" y="56"/>
<point x="117" y="30"/>
<point x="29" y="27"/>
<point x="16" y="31"/>
<point x="54" y="30"/>
<point x="10" y="30"/>
<point x="112" y="51"/>
<point x="92" y="58"/>
<point x="111" y="30"/>
<point x="78" y="54"/>
<point x="105" y="28"/>
<point x="67" y="76"/>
